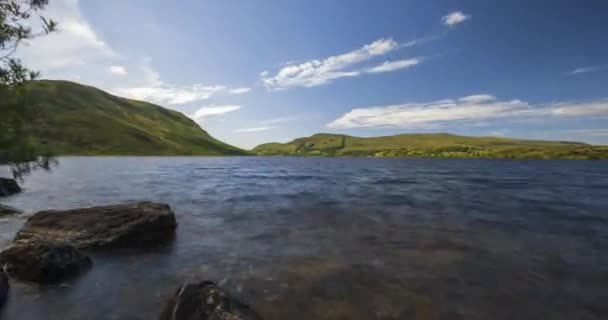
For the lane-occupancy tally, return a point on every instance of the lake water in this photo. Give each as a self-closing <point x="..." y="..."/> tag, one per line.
<point x="340" y="238"/>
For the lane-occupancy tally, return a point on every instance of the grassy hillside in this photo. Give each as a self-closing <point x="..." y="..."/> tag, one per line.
<point x="80" y="120"/>
<point x="432" y="145"/>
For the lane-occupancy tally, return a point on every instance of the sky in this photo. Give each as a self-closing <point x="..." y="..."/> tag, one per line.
<point x="256" y="71"/>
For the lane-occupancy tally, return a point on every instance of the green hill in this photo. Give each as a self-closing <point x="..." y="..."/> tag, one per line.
<point x="74" y="119"/>
<point x="432" y="145"/>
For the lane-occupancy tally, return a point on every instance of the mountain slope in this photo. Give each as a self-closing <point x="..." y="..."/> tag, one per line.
<point x="81" y="120"/>
<point x="431" y="145"/>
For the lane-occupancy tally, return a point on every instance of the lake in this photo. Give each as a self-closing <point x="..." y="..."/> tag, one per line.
<point x="339" y="238"/>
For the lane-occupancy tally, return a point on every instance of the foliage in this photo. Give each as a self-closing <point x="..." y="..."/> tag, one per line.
<point x="14" y="28"/>
<point x="439" y="145"/>
<point x="17" y="148"/>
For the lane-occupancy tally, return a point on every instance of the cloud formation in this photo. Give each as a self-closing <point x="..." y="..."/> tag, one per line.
<point x="389" y="66"/>
<point x="74" y="42"/>
<point x="240" y="90"/>
<point x="213" y="110"/>
<point x="455" y="18"/>
<point x="589" y="69"/>
<point x="176" y="95"/>
<point x="319" y="72"/>
<point x="470" y="109"/>
<point x="76" y="52"/>
<point x="152" y="88"/>
<point x="171" y="94"/>
<point x="256" y="129"/>
<point x="119" y="70"/>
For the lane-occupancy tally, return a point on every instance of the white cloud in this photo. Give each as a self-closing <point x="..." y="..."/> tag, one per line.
<point x="588" y="69"/>
<point x="470" y="109"/>
<point x="171" y="94"/>
<point x="389" y="66"/>
<point x="213" y="110"/>
<point x="580" y="109"/>
<point x="257" y="129"/>
<point x="266" y="125"/>
<point x="478" y="98"/>
<point x="119" y="70"/>
<point x="150" y="87"/>
<point x="176" y="95"/>
<point x="319" y="72"/>
<point x="76" y="52"/>
<point x="455" y="18"/>
<point x="74" y="43"/>
<point x="240" y="90"/>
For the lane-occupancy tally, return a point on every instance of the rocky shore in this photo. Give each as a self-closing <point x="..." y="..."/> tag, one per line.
<point x="6" y="210"/>
<point x="107" y="227"/>
<point x="52" y="247"/>
<point x="45" y="263"/>
<point x="205" y="300"/>
<point x="8" y="187"/>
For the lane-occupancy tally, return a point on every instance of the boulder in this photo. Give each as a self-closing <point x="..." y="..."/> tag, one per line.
<point x="205" y="301"/>
<point x="8" y="187"/>
<point x="43" y="262"/>
<point x="6" y="210"/>
<point x="116" y="226"/>
<point x="3" y="287"/>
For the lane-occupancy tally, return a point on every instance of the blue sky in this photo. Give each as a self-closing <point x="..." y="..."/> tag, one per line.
<point x="258" y="71"/>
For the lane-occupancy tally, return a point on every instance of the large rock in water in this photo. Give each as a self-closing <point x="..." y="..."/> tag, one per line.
<point x="8" y="187"/>
<point x="205" y="301"/>
<point x="124" y="225"/>
<point x="44" y="263"/>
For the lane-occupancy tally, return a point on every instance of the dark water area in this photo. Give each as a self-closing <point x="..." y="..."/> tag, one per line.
<point x="339" y="238"/>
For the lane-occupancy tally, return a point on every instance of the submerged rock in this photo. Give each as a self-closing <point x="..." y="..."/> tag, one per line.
<point x="6" y="210"/>
<point x="44" y="263"/>
<point x="8" y="187"/>
<point x="205" y="301"/>
<point x="3" y="287"/>
<point x="124" y="225"/>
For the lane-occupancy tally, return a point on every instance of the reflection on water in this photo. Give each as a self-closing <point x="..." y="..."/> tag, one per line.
<point x="318" y="238"/>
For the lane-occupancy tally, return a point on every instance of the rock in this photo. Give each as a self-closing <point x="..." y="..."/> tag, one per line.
<point x="43" y="262"/>
<point x="6" y="210"/>
<point x="205" y="301"/>
<point x="3" y="287"/>
<point x="8" y="187"/>
<point x="124" y="225"/>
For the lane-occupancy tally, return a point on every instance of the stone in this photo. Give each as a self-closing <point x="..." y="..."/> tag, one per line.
<point x="205" y="301"/>
<point x="115" y="226"/>
<point x="8" y="187"/>
<point x="7" y="210"/>
<point x="44" y="262"/>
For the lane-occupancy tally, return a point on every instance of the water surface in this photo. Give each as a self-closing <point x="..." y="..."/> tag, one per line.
<point x="340" y="238"/>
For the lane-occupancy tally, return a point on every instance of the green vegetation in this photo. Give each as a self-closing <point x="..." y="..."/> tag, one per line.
<point x="440" y="145"/>
<point x="17" y="148"/>
<point x="73" y="119"/>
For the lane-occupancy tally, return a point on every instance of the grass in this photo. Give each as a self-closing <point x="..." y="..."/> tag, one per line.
<point x="438" y="145"/>
<point x="74" y="119"/>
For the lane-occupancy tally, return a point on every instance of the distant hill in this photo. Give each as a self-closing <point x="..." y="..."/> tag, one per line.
<point x="432" y="145"/>
<point x="74" y="119"/>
